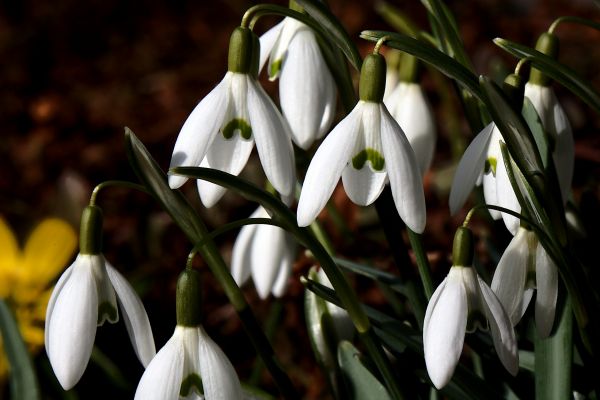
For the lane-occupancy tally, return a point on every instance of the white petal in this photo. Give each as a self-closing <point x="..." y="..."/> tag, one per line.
<point x="564" y="150"/>
<point x="327" y="165"/>
<point x="403" y="172"/>
<point x="285" y="267"/>
<point x="134" y="316"/>
<point x="444" y="329"/>
<point x="546" y="276"/>
<point x="72" y="324"/>
<point x="511" y="274"/>
<point x="242" y="249"/>
<point x="55" y="293"/>
<point x="107" y="298"/>
<point x="199" y="130"/>
<point x="267" y="41"/>
<point x="363" y="186"/>
<point x="507" y="197"/>
<point x="190" y="337"/>
<point x="162" y="379"/>
<point x="306" y="90"/>
<point x="490" y="193"/>
<point x="219" y="378"/>
<point x="272" y="137"/>
<point x="279" y="53"/>
<point x="469" y="169"/>
<point x="414" y="115"/>
<point x="503" y="333"/>
<point x="229" y="155"/>
<point x="209" y="192"/>
<point x="268" y="250"/>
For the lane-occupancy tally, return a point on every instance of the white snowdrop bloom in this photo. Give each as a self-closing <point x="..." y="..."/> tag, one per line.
<point x="190" y="366"/>
<point x="221" y="131"/>
<point x="266" y="253"/>
<point x="86" y="296"/>
<point x="558" y="130"/>
<point x="482" y="163"/>
<point x="306" y="87"/>
<point x="462" y="303"/>
<point x="526" y="266"/>
<point x="367" y="148"/>
<point x="409" y="107"/>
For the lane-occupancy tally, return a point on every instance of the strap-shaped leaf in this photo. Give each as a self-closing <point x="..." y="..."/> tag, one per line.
<point x="537" y="129"/>
<point x="555" y="70"/>
<point x="360" y="382"/>
<point x="332" y="25"/>
<point x="442" y="62"/>
<point x="23" y="381"/>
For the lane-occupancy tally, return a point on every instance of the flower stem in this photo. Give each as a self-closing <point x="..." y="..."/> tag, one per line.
<point x="576" y="20"/>
<point x="125" y="184"/>
<point x="416" y="243"/>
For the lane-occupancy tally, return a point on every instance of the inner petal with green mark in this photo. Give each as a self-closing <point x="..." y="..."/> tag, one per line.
<point x="275" y="68"/>
<point x="237" y="125"/>
<point x="191" y="381"/>
<point x="490" y="165"/>
<point x="373" y="156"/>
<point x="476" y="320"/>
<point x="107" y="312"/>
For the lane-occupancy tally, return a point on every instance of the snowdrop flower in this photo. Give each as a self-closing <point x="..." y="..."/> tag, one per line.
<point x="191" y="363"/>
<point x="558" y="130"/>
<point x="526" y="266"/>
<point x="306" y="87"/>
<point x="482" y="163"/>
<point x="462" y="303"/>
<point x="221" y="131"/>
<point x="266" y="253"/>
<point x="86" y="296"/>
<point x="409" y="107"/>
<point x="366" y="148"/>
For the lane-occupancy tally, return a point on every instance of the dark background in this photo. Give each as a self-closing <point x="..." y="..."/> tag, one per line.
<point x="73" y="74"/>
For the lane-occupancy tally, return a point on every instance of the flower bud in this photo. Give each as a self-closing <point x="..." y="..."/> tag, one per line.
<point x="372" y="78"/>
<point x="241" y="51"/>
<point x="189" y="298"/>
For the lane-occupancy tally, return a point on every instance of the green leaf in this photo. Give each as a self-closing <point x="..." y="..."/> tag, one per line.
<point x="554" y="358"/>
<point x="537" y="129"/>
<point x="396" y="18"/>
<point x="23" y="380"/>
<point x="382" y="277"/>
<point x="555" y="70"/>
<point x="440" y="61"/>
<point x="360" y="382"/>
<point x="332" y="25"/>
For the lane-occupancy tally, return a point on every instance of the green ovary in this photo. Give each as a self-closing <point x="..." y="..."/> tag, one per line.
<point x="372" y="155"/>
<point x="188" y="383"/>
<point x="490" y="165"/>
<point x="108" y="310"/>
<point x="237" y="125"/>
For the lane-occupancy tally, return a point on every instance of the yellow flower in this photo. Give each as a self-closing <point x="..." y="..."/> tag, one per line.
<point x="26" y="274"/>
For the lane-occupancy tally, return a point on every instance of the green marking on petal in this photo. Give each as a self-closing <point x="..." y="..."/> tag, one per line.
<point x="188" y="384"/>
<point x="106" y="311"/>
<point x="237" y="125"/>
<point x="372" y="155"/>
<point x="490" y="165"/>
<point x="475" y="320"/>
<point x="274" y="69"/>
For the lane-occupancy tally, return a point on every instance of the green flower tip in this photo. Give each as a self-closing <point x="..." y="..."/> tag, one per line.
<point x="90" y="237"/>
<point x="188" y="299"/>
<point x="372" y="78"/>
<point x="462" y="249"/>
<point x="244" y="49"/>
<point x="547" y="44"/>
<point x="372" y="155"/>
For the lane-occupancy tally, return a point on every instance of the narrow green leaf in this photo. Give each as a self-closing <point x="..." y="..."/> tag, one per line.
<point x="360" y="382"/>
<point x="554" y="358"/>
<point x="382" y="277"/>
<point x="23" y="380"/>
<point x="396" y="18"/>
<point x="537" y="129"/>
<point x="555" y="70"/>
<point x="440" y="61"/>
<point x="332" y="25"/>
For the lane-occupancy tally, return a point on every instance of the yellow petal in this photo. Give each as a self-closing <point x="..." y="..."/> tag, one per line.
<point x="9" y="257"/>
<point x="48" y="250"/>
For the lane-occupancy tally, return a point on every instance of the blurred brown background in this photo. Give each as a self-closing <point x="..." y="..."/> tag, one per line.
<point x="73" y="74"/>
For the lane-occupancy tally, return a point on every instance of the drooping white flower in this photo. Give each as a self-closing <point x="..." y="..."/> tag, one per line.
<point x="221" y="132"/>
<point x="409" y="107"/>
<point x="86" y="296"/>
<point x="526" y="266"/>
<point x="483" y="163"/>
<point x="266" y="253"/>
<point x="189" y="364"/>
<point x="306" y="87"/>
<point x="462" y="303"/>
<point x="558" y="130"/>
